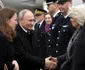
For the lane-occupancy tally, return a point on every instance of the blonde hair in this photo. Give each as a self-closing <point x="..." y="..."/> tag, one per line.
<point x="78" y="12"/>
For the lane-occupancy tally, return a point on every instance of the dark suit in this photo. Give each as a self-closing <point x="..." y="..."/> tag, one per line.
<point x="41" y="40"/>
<point x="60" y="34"/>
<point x="25" y="50"/>
<point x="6" y="52"/>
<point x="51" y="48"/>
<point x="65" y="32"/>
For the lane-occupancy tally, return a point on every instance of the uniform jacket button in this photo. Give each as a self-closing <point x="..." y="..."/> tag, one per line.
<point x="57" y="37"/>
<point x="49" y="34"/>
<point x="38" y="45"/>
<point x="49" y="46"/>
<point x="41" y="35"/>
<point x="49" y="40"/>
<point x="59" y="31"/>
<point x="56" y="44"/>
<point x="56" y="51"/>
<point x="63" y="30"/>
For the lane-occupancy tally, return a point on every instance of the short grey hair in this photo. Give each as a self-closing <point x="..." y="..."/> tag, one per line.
<point x="78" y="12"/>
<point x="22" y="13"/>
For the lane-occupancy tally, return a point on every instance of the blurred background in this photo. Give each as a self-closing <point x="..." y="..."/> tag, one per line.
<point x="31" y="4"/>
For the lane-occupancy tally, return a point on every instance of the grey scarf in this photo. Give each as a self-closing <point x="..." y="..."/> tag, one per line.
<point x="72" y="40"/>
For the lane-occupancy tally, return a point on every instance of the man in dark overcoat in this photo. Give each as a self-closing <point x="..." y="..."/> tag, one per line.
<point x="25" y="44"/>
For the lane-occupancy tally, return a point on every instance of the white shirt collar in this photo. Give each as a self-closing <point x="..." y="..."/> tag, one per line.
<point x="56" y="13"/>
<point x="41" y="23"/>
<point x="23" y="28"/>
<point x="66" y="16"/>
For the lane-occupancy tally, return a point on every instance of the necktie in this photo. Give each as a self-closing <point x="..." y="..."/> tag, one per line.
<point x="37" y="27"/>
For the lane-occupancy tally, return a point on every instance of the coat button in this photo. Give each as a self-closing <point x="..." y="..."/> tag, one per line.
<point x="56" y="44"/>
<point x="57" y="37"/>
<point x="38" y="45"/>
<point x="63" y="30"/>
<point x="59" y="31"/>
<point x="49" y="34"/>
<point x="41" y="35"/>
<point x="49" y="46"/>
<point x="49" y="40"/>
<point x="56" y="51"/>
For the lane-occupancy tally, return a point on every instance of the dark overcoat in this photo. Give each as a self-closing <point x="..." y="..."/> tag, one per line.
<point x="25" y="46"/>
<point x="6" y="52"/>
<point x="76" y="60"/>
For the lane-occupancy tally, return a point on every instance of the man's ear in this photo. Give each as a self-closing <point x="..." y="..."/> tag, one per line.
<point x="20" y="19"/>
<point x="70" y="3"/>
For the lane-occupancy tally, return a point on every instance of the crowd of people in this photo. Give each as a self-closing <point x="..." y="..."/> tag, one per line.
<point x="42" y="40"/>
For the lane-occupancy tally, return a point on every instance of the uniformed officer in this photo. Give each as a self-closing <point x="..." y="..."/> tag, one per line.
<point x="66" y="30"/>
<point x="57" y="21"/>
<point x="40" y="30"/>
<point x="53" y="34"/>
<point x="61" y="30"/>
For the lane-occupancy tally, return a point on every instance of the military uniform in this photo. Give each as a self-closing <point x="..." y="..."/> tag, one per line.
<point x="60" y="38"/>
<point x="41" y="40"/>
<point x="53" y="48"/>
<point x="53" y="35"/>
<point x="60" y="34"/>
<point x="40" y="30"/>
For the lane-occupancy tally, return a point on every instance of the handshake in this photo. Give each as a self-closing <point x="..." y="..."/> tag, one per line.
<point x="50" y="63"/>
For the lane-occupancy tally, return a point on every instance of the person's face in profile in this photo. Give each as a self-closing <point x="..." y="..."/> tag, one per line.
<point x="63" y="6"/>
<point x="28" y="21"/>
<point x="13" y="21"/>
<point x="51" y="7"/>
<point x="74" y="22"/>
<point x="39" y="17"/>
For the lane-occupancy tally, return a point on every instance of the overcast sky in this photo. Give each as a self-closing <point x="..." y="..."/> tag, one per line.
<point x="77" y="2"/>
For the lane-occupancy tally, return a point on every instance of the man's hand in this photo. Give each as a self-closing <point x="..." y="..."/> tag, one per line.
<point x="50" y="62"/>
